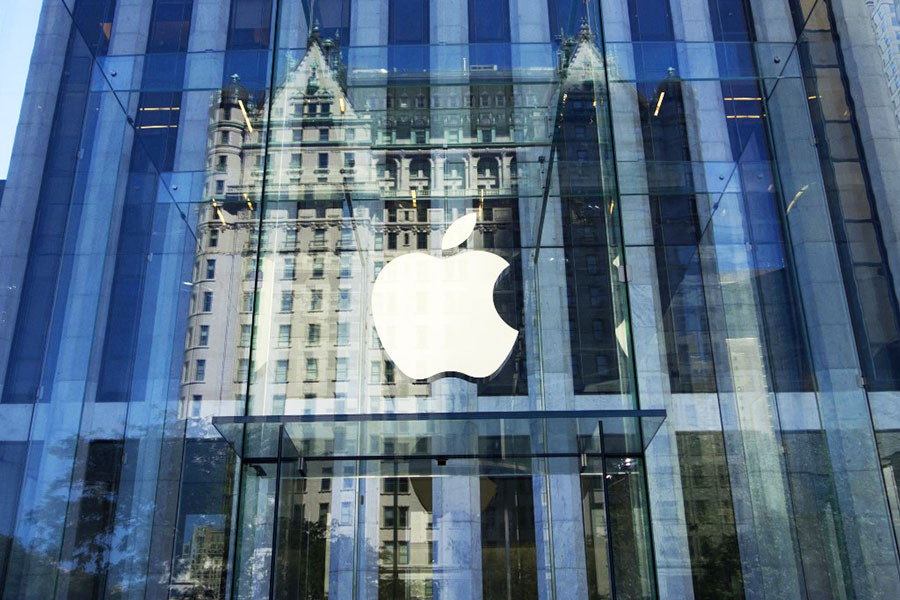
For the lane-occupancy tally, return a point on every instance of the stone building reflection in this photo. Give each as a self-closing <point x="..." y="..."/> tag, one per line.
<point x="279" y="299"/>
<point x="346" y="191"/>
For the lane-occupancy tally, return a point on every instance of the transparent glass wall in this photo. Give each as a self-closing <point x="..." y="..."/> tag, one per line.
<point x="245" y="356"/>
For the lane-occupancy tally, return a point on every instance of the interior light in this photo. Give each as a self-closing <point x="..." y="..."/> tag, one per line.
<point x="413" y="194"/>
<point x="249" y="202"/>
<point x="246" y="118"/>
<point x="343" y="104"/>
<point x="659" y="103"/>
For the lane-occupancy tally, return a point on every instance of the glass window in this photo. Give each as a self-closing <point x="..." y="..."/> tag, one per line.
<point x="243" y="370"/>
<point x="287" y="301"/>
<point x="396" y="485"/>
<point x="313" y="334"/>
<point x="204" y="336"/>
<point x="169" y="27"/>
<point x="312" y="369"/>
<point x="409" y="22"/>
<point x="375" y="372"/>
<point x="289" y="269"/>
<point x="284" y="335"/>
<point x="340" y="371"/>
<point x="323" y="136"/>
<point x="200" y="370"/>
<point x="245" y="335"/>
<point x="343" y="334"/>
<point x="281" y="371"/>
<point x="318" y="267"/>
<point x="213" y="238"/>
<point x="210" y="268"/>
<point x="315" y="300"/>
<point x="207" y="301"/>
<point x="344" y="295"/>
<point x="250" y="24"/>
<point x="709" y="513"/>
<point x="323" y="160"/>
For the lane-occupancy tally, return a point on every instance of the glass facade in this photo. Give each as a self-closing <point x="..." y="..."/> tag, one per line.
<point x="451" y="299"/>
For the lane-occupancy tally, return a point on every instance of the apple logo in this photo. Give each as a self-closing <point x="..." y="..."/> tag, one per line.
<point x="437" y="315"/>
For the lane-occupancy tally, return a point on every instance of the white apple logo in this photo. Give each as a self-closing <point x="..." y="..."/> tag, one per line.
<point x="437" y="315"/>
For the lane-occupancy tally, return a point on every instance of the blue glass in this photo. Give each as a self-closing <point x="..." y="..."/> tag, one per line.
<point x="408" y="34"/>
<point x="23" y="379"/>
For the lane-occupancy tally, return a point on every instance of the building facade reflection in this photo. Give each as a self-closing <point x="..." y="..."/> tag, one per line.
<point x="693" y="198"/>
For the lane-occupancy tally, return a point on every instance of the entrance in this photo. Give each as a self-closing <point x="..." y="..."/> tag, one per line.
<point x="444" y="507"/>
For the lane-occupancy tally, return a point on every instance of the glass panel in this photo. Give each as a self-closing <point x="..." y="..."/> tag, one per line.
<point x="222" y="197"/>
<point x="369" y="436"/>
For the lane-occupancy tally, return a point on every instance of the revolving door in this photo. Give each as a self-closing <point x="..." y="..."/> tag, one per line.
<point x="494" y="506"/>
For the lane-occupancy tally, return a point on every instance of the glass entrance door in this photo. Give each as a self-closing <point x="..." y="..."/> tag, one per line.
<point x="400" y="548"/>
<point x="350" y="530"/>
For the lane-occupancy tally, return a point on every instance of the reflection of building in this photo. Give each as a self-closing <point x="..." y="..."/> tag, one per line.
<point x="324" y="158"/>
<point x="886" y="22"/>
<point x="207" y="546"/>
<point x="704" y="259"/>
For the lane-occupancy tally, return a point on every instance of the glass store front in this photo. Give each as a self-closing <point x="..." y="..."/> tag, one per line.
<point x="408" y="299"/>
<point x="400" y="439"/>
<point x="407" y="506"/>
